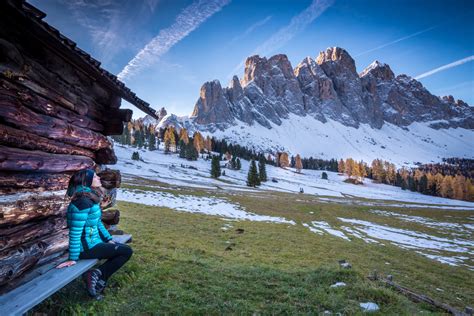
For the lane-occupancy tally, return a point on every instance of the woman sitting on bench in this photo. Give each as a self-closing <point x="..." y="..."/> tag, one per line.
<point x="88" y="238"/>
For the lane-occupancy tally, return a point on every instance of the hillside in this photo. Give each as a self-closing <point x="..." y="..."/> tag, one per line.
<point x="325" y="109"/>
<point x="203" y="245"/>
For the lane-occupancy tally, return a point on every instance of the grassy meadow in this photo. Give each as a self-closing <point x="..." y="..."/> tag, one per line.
<point x="186" y="263"/>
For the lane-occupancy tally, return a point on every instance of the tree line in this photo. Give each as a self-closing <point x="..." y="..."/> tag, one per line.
<point x="430" y="181"/>
<point x="451" y="179"/>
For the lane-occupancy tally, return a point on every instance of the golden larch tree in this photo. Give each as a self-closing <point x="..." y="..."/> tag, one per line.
<point x="298" y="163"/>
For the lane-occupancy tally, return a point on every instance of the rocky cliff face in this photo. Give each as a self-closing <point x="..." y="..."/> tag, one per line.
<point x="328" y="87"/>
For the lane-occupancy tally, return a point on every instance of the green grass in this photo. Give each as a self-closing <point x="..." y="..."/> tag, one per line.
<point x="180" y="264"/>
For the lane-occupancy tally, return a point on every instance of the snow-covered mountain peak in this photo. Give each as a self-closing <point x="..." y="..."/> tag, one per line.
<point x="327" y="93"/>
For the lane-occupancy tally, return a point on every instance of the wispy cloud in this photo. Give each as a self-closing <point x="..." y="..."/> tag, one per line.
<point x="250" y="29"/>
<point x="187" y="21"/>
<point x="297" y="24"/>
<point x="445" y="67"/>
<point x="397" y="40"/>
<point x="109" y="23"/>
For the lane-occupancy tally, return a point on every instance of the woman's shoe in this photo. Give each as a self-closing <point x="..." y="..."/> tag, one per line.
<point x="91" y="278"/>
<point x="100" y="286"/>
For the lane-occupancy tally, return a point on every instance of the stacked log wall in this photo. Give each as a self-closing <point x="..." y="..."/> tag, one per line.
<point x="54" y="121"/>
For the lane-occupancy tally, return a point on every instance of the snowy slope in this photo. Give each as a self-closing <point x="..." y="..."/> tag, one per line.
<point x="167" y="168"/>
<point x="310" y="137"/>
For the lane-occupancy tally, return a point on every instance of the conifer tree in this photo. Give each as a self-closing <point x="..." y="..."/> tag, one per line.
<point x="183" y="136"/>
<point x="233" y="163"/>
<point x="191" y="152"/>
<point x="438" y="179"/>
<point x="341" y="166"/>
<point x="208" y="144"/>
<point x="238" y="164"/>
<point x="390" y="173"/>
<point x="182" y="149"/>
<point x="269" y="159"/>
<point x="349" y="167"/>
<point x="459" y="187"/>
<point x="136" y="137"/>
<point x="298" y="163"/>
<point x="447" y="187"/>
<point x="283" y="160"/>
<point x="292" y="162"/>
<point x="411" y="183"/>
<point x="215" y="167"/>
<point x="128" y="134"/>
<point x="262" y="170"/>
<point x="362" y="169"/>
<point x="252" y="177"/>
<point x="423" y="184"/>
<point x="198" y="142"/>
<point x="169" y="139"/>
<point x="356" y="171"/>
<point x="152" y="142"/>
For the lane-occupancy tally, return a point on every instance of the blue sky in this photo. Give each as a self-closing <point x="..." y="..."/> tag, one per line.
<point x="164" y="50"/>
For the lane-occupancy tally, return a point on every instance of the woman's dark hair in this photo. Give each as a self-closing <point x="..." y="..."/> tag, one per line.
<point x="82" y="177"/>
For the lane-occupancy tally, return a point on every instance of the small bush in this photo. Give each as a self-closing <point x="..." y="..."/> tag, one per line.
<point x="135" y="155"/>
<point x="324" y="176"/>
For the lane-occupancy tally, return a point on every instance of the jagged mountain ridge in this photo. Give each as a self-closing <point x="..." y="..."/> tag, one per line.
<point x="328" y="87"/>
<point x="372" y="114"/>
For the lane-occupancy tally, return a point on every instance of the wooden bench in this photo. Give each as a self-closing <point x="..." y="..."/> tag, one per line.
<point x="28" y="295"/>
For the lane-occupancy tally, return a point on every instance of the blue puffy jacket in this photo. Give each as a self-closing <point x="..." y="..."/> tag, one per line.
<point x="85" y="225"/>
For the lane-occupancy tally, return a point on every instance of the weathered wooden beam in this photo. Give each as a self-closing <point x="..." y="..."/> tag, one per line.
<point x="22" y="139"/>
<point x="111" y="217"/>
<point x="46" y="106"/>
<point x="124" y="115"/>
<point x="115" y="102"/>
<point x="105" y="156"/>
<point x="14" y="262"/>
<point x="80" y="107"/>
<point x="113" y="127"/>
<point x="56" y="242"/>
<point x="13" y="181"/>
<point x="19" y="234"/>
<point x="15" y="159"/>
<point x="110" y="178"/>
<point x="32" y="207"/>
<point x="12" y="112"/>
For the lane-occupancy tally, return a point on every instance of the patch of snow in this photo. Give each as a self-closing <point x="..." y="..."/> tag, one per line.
<point x="338" y="284"/>
<point x="423" y="243"/>
<point x="196" y="204"/>
<point x="320" y="226"/>
<point x="425" y="221"/>
<point x="369" y="307"/>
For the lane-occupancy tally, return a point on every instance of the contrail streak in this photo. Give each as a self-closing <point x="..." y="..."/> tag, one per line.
<point x="445" y="67"/>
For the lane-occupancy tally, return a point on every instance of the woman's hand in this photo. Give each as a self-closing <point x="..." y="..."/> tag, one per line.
<point x="105" y="201"/>
<point x="66" y="264"/>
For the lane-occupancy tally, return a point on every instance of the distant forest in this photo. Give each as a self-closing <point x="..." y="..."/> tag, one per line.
<point x="452" y="178"/>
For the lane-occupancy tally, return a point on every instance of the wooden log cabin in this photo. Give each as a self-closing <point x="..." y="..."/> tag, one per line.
<point x="57" y="109"/>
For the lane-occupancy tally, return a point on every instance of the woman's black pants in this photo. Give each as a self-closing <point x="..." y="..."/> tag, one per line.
<point x="116" y="255"/>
